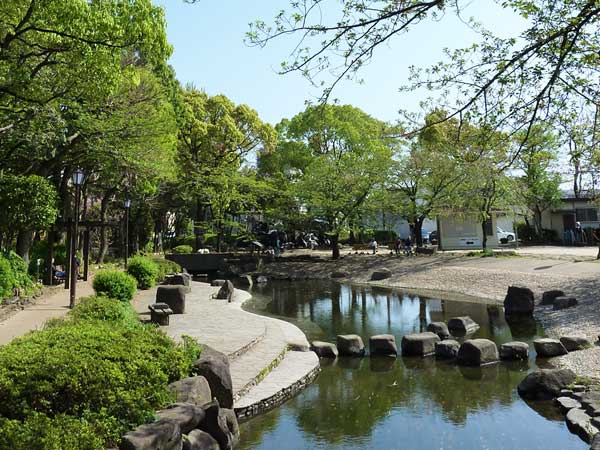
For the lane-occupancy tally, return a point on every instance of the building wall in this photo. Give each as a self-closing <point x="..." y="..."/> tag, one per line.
<point x="553" y="219"/>
<point x="464" y="232"/>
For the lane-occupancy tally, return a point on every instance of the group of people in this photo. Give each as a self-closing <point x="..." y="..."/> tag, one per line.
<point x="400" y="245"/>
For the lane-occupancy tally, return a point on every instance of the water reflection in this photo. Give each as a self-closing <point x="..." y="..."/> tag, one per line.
<point x="400" y="403"/>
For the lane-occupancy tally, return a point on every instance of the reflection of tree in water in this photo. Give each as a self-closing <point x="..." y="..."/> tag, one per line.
<point x="254" y="430"/>
<point x="350" y="402"/>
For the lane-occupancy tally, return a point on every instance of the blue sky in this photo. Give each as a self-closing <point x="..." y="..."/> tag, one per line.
<point x="209" y="51"/>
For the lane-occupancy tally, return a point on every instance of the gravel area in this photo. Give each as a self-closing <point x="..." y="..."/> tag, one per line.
<point x="486" y="279"/>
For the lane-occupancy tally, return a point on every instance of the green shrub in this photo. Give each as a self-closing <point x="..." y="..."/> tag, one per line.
<point x="115" y="284"/>
<point x="105" y="309"/>
<point x="180" y="249"/>
<point x="39" y="250"/>
<point x="40" y="432"/>
<point x="20" y="270"/>
<point x="7" y="278"/>
<point x="111" y="376"/>
<point x="144" y="270"/>
<point x="165" y="267"/>
<point x="385" y="236"/>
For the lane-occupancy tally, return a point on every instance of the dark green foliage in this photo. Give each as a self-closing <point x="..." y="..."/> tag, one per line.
<point x="385" y="236"/>
<point x="165" y="267"/>
<point x="39" y="250"/>
<point x="115" y="284"/>
<point x="94" y="376"/>
<point x="527" y="233"/>
<point x="144" y="270"/>
<point x="7" y="278"/>
<point x="180" y="249"/>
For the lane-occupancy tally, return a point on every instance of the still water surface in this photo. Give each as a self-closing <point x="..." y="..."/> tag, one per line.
<point x="401" y="403"/>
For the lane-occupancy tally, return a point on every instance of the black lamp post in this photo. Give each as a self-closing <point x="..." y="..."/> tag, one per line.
<point x="77" y="179"/>
<point x="127" y="205"/>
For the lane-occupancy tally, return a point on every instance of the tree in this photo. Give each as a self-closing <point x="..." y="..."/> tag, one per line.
<point x="539" y="188"/>
<point x="28" y="204"/>
<point x="346" y="155"/>
<point x="214" y="139"/>
<point x="551" y="63"/>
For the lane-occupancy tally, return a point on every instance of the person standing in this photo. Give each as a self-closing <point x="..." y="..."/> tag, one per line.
<point x="374" y="246"/>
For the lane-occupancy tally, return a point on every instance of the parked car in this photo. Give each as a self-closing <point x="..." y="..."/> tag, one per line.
<point x="505" y="236"/>
<point x="425" y="237"/>
<point x="433" y="237"/>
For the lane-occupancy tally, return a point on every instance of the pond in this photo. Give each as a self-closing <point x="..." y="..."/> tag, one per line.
<point x="401" y="403"/>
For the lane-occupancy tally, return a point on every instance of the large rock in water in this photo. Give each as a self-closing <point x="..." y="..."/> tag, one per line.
<point x="174" y="296"/>
<point x="226" y="291"/>
<point x="383" y="344"/>
<point x="549" y="296"/>
<point x="567" y="403"/>
<point x="200" y="440"/>
<point x="439" y="328"/>
<point x="519" y="301"/>
<point x="419" y="344"/>
<point x="477" y="352"/>
<point x="193" y="390"/>
<point x="548" y="348"/>
<point x="381" y="274"/>
<point x="447" y="349"/>
<point x="187" y="416"/>
<point x="580" y="423"/>
<point x="514" y="350"/>
<point x="324" y="349"/>
<point x="564" y="302"/>
<point x="214" y="366"/>
<point x="461" y="326"/>
<point x="544" y="384"/>
<point x="574" y="343"/>
<point x="350" y="345"/>
<point x="215" y="424"/>
<point x="218" y="282"/>
<point x="162" y="434"/>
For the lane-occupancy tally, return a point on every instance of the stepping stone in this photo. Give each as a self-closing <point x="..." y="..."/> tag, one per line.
<point x="549" y="347"/>
<point x="381" y="274"/>
<point x="439" y="328"/>
<point x="477" y="352"/>
<point x="340" y="274"/>
<point x="514" y="350"/>
<point x="461" y="326"/>
<point x="447" y="349"/>
<point x="544" y="384"/>
<point x="549" y="296"/>
<point x="580" y="423"/>
<point x="324" y="349"/>
<point x="567" y="403"/>
<point x="383" y="344"/>
<point x="564" y="302"/>
<point x="519" y="301"/>
<point x="574" y="343"/>
<point x="419" y="344"/>
<point x="350" y="345"/>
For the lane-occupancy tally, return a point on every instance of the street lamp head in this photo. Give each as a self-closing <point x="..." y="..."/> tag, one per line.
<point x="128" y="203"/>
<point x="78" y="177"/>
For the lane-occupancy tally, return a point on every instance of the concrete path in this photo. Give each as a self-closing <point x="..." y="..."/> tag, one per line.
<point x="54" y="304"/>
<point x="260" y="349"/>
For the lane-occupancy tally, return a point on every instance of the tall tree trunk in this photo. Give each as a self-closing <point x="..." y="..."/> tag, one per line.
<point x="484" y="240"/>
<point x="48" y="277"/>
<point x="24" y="238"/>
<point x="158" y="245"/>
<point x="419" y="231"/>
<point x="103" y="229"/>
<point x="335" y="248"/>
<point x="197" y="225"/>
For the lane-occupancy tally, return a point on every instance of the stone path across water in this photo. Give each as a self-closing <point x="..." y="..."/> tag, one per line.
<point x="263" y="369"/>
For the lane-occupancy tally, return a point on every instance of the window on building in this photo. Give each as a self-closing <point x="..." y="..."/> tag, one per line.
<point x="586" y="214"/>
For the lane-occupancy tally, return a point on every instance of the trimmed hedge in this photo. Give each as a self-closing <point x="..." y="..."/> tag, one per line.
<point x="144" y="270"/>
<point x="182" y="249"/>
<point x="165" y="267"/>
<point x="86" y="380"/>
<point x="115" y="284"/>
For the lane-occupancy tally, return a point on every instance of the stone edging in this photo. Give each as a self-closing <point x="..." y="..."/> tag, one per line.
<point x="240" y="351"/>
<point x="260" y="376"/>
<point x="277" y="399"/>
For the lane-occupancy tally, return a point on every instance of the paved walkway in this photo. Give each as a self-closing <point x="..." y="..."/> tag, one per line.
<point x="54" y="304"/>
<point x="258" y="347"/>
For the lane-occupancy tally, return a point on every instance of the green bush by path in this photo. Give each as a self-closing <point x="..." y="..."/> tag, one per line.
<point x="144" y="270"/>
<point x="83" y="382"/>
<point x="115" y="284"/>
<point x="107" y="310"/>
<point x="13" y="274"/>
<point x="182" y="249"/>
<point x="165" y="267"/>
